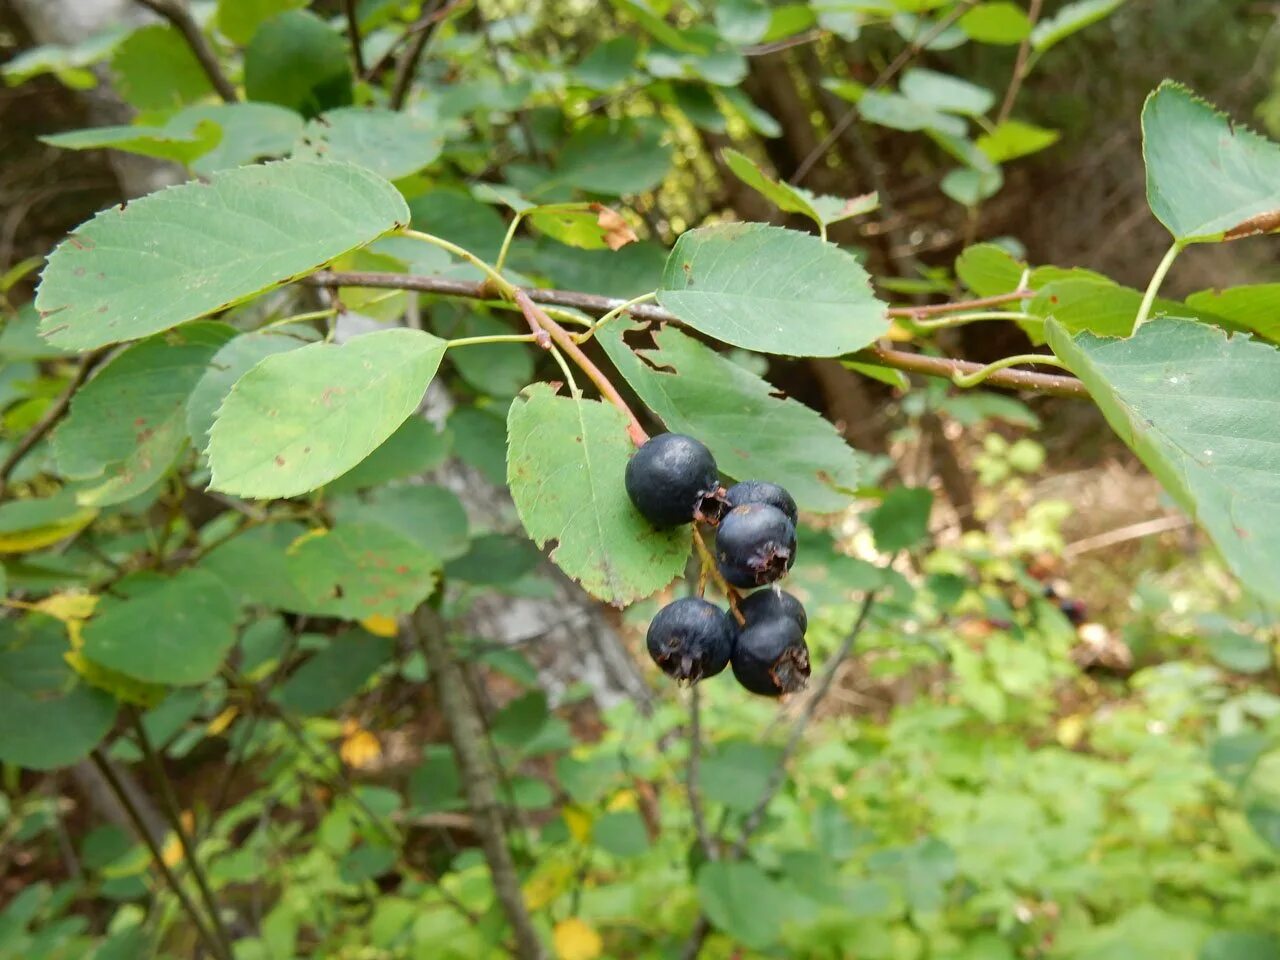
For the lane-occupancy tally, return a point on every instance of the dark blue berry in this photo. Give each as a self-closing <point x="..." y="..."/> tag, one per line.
<point x="755" y="545"/>
<point x="768" y="604"/>
<point x="761" y="491"/>
<point x="671" y="478"/>
<point x="771" y="658"/>
<point x="689" y="639"/>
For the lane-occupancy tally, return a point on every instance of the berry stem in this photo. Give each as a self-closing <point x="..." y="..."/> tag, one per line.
<point x="709" y="567"/>
<point x="538" y="320"/>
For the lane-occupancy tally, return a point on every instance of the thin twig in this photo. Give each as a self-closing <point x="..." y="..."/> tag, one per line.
<point x="909" y="53"/>
<point x="407" y="67"/>
<point x="597" y="305"/>
<point x="157" y="858"/>
<point x="692" y="783"/>
<point x="176" y="12"/>
<point x="172" y="812"/>
<point x="1020" y="70"/>
<point x="702" y="926"/>
<point x="1134" y="531"/>
<point x="479" y="778"/>
<point x="49" y="420"/>
<point x="353" y="36"/>
<point x="959" y="306"/>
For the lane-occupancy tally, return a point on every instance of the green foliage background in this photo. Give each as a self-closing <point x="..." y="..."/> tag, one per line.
<point x="259" y="579"/>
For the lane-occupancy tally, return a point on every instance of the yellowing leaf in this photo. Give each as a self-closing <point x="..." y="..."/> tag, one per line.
<point x="360" y="748"/>
<point x="578" y="821"/>
<point x="172" y="852"/>
<point x="575" y="940"/>
<point x="223" y="720"/>
<point x="22" y="541"/>
<point x="381" y="625"/>
<point x="546" y="884"/>
<point x="622" y="800"/>
<point x="1071" y="730"/>
<point x="68" y="607"/>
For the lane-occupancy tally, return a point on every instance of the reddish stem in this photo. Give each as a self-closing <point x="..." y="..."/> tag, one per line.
<point x="538" y="320"/>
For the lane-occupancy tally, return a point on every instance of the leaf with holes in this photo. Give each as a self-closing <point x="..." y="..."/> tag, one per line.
<point x="773" y="290"/>
<point x="359" y="569"/>
<point x="300" y="419"/>
<point x="1207" y="178"/>
<point x="565" y="465"/>
<point x="1199" y="408"/>
<point x="159" y="630"/>
<point x="190" y="250"/>
<point x="753" y="432"/>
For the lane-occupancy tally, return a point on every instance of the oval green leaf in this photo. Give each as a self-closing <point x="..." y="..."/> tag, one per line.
<point x="773" y="290"/>
<point x="189" y="250"/>
<point x="565" y="465"/>
<point x="1207" y="178"/>
<point x="300" y="419"/>
<point x="1199" y="408"/>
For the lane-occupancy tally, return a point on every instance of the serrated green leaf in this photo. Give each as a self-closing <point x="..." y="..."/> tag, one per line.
<point x="1070" y="19"/>
<point x="232" y="361"/>
<point x="48" y="718"/>
<point x="20" y="341"/>
<point x="969" y="187"/>
<point x="1103" y="308"/>
<point x="772" y="290"/>
<point x="1198" y="408"/>
<point x="156" y="70"/>
<point x="127" y="425"/>
<point x="189" y="250"/>
<point x="296" y="60"/>
<point x="753" y="432"/>
<point x="821" y="209"/>
<point x="390" y="143"/>
<point x="360" y="569"/>
<point x="160" y="630"/>
<point x="565" y="467"/>
<point x="1207" y="178"/>
<point x="742" y="21"/>
<point x="1255" y="307"/>
<point x="1001" y="22"/>
<point x="941" y="91"/>
<point x="300" y="419"/>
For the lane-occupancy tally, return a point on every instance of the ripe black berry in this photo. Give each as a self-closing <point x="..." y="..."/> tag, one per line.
<point x="760" y="491"/>
<point x="755" y="545"/>
<point x="769" y="604"/>
<point x="671" y="478"/>
<point x="689" y="639"/>
<point x="771" y="657"/>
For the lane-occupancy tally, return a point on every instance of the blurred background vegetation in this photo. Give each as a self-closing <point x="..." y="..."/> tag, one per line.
<point x="1059" y="740"/>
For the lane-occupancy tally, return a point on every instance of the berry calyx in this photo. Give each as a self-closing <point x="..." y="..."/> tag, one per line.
<point x="689" y="640"/>
<point x="769" y="604"/>
<point x="673" y="478"/>
<point x="761" y="491"/>
<point x="755" y="545"/>
<point x="771" y="658"/>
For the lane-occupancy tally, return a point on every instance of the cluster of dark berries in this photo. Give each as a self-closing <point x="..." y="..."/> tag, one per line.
<point x="673" y="480"/>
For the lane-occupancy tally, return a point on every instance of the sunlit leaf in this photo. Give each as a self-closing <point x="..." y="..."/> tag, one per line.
<point x="773" y="290"/>
<point x="190" y="250"/>
<point x="565" y="468"/>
